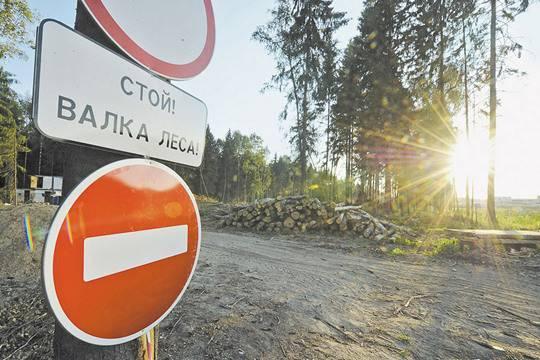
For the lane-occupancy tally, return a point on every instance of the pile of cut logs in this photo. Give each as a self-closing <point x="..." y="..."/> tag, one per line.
<point x="302" y="214"/>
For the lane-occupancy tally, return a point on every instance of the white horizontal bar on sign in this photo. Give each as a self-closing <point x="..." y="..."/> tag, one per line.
<point x="110" y="254"/>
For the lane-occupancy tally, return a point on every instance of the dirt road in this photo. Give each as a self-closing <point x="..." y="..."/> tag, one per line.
<point x="274" y="298"/>
<point x="312" y="297"/>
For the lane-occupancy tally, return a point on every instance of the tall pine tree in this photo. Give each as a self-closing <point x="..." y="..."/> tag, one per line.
<point x="299" y="35"/>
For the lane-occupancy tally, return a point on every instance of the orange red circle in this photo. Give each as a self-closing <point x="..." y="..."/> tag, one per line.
<point x="132" y="196"/>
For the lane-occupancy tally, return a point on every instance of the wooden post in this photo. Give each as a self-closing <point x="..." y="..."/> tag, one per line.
<point x="79" y="162"/>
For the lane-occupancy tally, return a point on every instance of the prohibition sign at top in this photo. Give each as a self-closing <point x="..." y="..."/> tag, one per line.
<point x="173" y="38"/>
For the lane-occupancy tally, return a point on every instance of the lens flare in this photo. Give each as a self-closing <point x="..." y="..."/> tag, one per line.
<point x="28" y="233"/>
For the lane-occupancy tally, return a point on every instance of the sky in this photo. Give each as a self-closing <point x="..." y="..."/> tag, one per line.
<point x="518" y="123"/>
<point x="231" y="85"/>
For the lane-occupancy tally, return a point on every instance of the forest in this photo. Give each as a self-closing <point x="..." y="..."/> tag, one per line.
<point x="373" y="123"/>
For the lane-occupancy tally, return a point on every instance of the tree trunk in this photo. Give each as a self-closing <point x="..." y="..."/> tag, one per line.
<point x="466" y="84"/>
<point x="79" y="162"/>
<point x="442" y="49"/>
<point x="224" y="196"/>
<point x="327" y="135"/>
<point x="298" y="117"/>
<point x="387" y="189"/>
<point x="492" y="116"/>
<point x="377" y="185"/>
<point x="25" y="164"/>
<point x="473" y="206"/>
<point x="439" y="200"/>
<point x="303" y="133"/>
<point x="348" y="167"/>
<point x="15" y="140"/>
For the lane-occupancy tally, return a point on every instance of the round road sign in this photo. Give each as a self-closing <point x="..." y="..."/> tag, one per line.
<point x="121" y="251"/>
<point x="173" y="38"/>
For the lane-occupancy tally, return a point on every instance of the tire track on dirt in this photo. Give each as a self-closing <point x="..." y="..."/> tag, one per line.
<point x="359" y="294"/>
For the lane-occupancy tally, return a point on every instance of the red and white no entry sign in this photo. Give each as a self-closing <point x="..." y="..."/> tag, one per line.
<point x="121" y="251"/>
<point x="173" y="38"/>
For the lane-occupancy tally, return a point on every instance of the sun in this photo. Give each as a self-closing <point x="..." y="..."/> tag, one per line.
<point x="469" y="162"/>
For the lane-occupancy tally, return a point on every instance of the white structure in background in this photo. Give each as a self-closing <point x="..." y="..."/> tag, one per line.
<point x="42" y="189"/>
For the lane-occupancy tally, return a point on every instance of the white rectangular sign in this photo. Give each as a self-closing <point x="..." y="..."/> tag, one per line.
<point x="86" y="94"/>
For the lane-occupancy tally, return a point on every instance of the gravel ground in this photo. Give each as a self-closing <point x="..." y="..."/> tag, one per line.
<point x="311" y="297"/>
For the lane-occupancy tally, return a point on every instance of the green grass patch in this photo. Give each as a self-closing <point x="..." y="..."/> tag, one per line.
<point x="405" y="353"/>
<point x="431" y="245"/>
<point x="404" y="338"/>
<point x="397" y="252"/>
<point x="509" y="219"/>
<point x="405" y="242"/>
<point x="514" y="219"/>
<point x="441" y="246"/>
